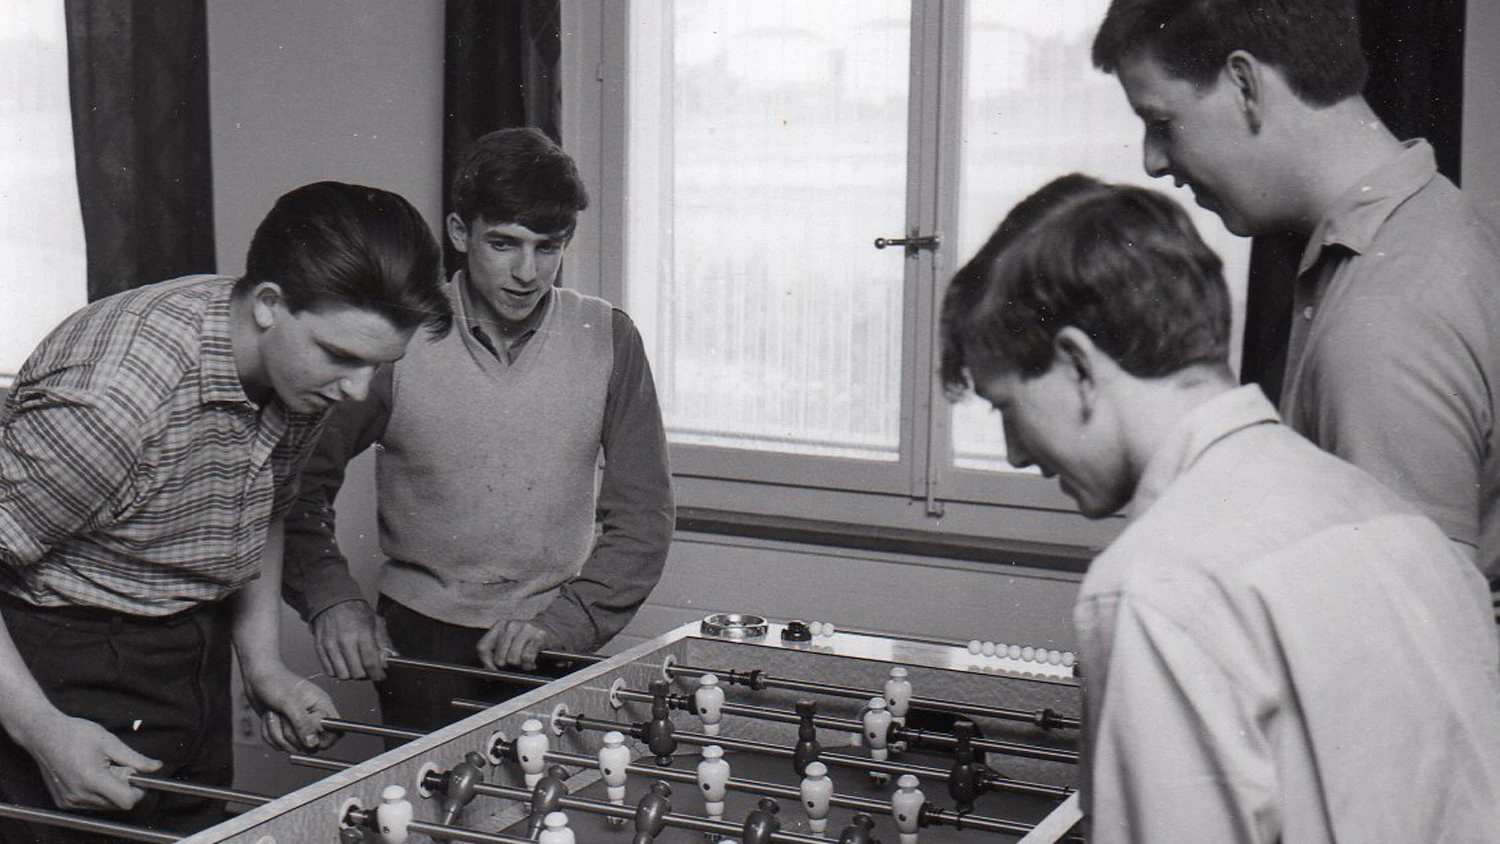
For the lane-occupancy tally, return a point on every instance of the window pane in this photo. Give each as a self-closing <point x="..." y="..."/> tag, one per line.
<point x="41" y="227"/>
<point x="1035" y="108"/>
<point x="767" y="150"/>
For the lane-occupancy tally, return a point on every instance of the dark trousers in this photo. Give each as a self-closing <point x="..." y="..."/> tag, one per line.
<point x="161" y="685"/>
<point x="418" y="699"/>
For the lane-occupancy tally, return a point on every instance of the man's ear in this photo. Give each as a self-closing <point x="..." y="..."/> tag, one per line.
<point x="1076" y="353"/>
<point x="458" y="231"/>
<point x="1243" y="72"/>
<point x="265" y="300"/>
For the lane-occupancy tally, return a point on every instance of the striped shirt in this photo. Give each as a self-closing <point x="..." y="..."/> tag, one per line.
<point x="135" y="474"/>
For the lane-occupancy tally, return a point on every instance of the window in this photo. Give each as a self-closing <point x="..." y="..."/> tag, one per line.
<point x="41" y="227"/>
<point x="766" y="146"/>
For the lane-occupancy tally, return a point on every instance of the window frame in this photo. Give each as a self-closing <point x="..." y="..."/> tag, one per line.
<point x="923" y="491"/>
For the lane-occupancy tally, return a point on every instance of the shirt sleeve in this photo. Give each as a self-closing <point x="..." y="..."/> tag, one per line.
<point x="315" y="573"/>
<point x="635" y="509"/>
<point x="1176" y="750"/>
<point x="67" y="462"/>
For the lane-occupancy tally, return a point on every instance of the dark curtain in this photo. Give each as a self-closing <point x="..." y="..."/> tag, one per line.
<point x="1415" y="52"/>
<point x="138" y="78"/>
<point x="500" y="69"/>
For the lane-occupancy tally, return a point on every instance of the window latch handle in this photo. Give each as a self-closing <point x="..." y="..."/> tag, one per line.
<point x="926" y="241"/>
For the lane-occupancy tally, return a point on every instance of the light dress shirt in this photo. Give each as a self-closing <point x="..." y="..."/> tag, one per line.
<point x="1278" y="648"/>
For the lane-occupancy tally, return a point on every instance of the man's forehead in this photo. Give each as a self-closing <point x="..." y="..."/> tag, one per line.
<point x="516" y="229"/>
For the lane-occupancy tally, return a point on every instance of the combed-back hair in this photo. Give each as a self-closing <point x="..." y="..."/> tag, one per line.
<point x="336" y="244"/>
<point x="519" y="176"/>
<point x="1314" y="43"/>
<point x="1121" y="263"/>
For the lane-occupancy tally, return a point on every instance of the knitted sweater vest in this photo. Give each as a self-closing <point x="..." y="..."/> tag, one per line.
<point x="486" y="471"/>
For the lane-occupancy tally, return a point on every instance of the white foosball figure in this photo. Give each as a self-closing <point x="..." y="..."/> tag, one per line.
<point x="614" y="764"/>
<point x="877" y="721"/>
<point x="708" y="701"/>
<point x="713" y="781"/>
<point x="898" y="699"/>
<point x="531" y="751"/>
<point x="817" y="792"/>
<point x="393" y="815"/>
<point x="906" y="807"/>
<point x="555" y="830"/>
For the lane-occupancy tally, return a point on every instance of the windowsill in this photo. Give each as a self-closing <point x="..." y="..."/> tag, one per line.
<point x="1015" y="552"/>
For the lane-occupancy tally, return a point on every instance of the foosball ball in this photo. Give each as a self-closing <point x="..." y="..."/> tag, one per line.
<point x="735" y="729"/>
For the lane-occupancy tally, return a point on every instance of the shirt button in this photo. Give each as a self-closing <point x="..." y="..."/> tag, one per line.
<point x="1307" y="312"/>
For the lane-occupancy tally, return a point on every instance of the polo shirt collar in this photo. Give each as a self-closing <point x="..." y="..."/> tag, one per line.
<point x="1360" y="212"/>
<point x="221" y="377"/>
<point x="1212" y="421"/>
<point x="463" y="312"/>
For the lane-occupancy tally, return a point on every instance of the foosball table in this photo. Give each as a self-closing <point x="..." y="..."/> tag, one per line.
<point x="732" y="729"/>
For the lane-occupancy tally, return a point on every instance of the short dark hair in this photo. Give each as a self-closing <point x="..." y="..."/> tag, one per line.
<point x="519" y="176"/>
<point x="1121" y="263"/>
<point x="331" y="243"/>
<point x="1314" y="43"/>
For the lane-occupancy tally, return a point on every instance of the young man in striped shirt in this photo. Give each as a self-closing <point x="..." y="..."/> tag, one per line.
<point x="148" y="450"/>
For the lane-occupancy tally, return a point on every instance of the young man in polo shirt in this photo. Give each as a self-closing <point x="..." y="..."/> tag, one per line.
<point x="1276" y="648"/>
<point x="1393" y="361"/>
<point x="490" y="443"/>
<point x="148" y="450"/>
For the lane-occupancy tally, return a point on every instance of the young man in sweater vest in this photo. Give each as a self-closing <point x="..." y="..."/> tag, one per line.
<point x="1276" y="648"/>
<point x="489" y="442"/>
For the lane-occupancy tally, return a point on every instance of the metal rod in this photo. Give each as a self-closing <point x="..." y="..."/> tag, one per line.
<point x="339" y="725"/>
<point x="952" y="707"/>
<point x="585" y="805"/>
<point x="194" y="789"/>
<point x="765" y="789"/>
<point x="565" y="656"/>
<point x="846" y="725"/>
<point x="318" y="762"/>
<point x="939" y="817"/>
<point x="468" y="670"/>
<point x="583" y="722"/>
<point x="86" y="824"/>
<point x="363" y="818"/>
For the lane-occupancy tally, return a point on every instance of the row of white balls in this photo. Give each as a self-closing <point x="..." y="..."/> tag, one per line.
<point x="1023" y="654"/>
